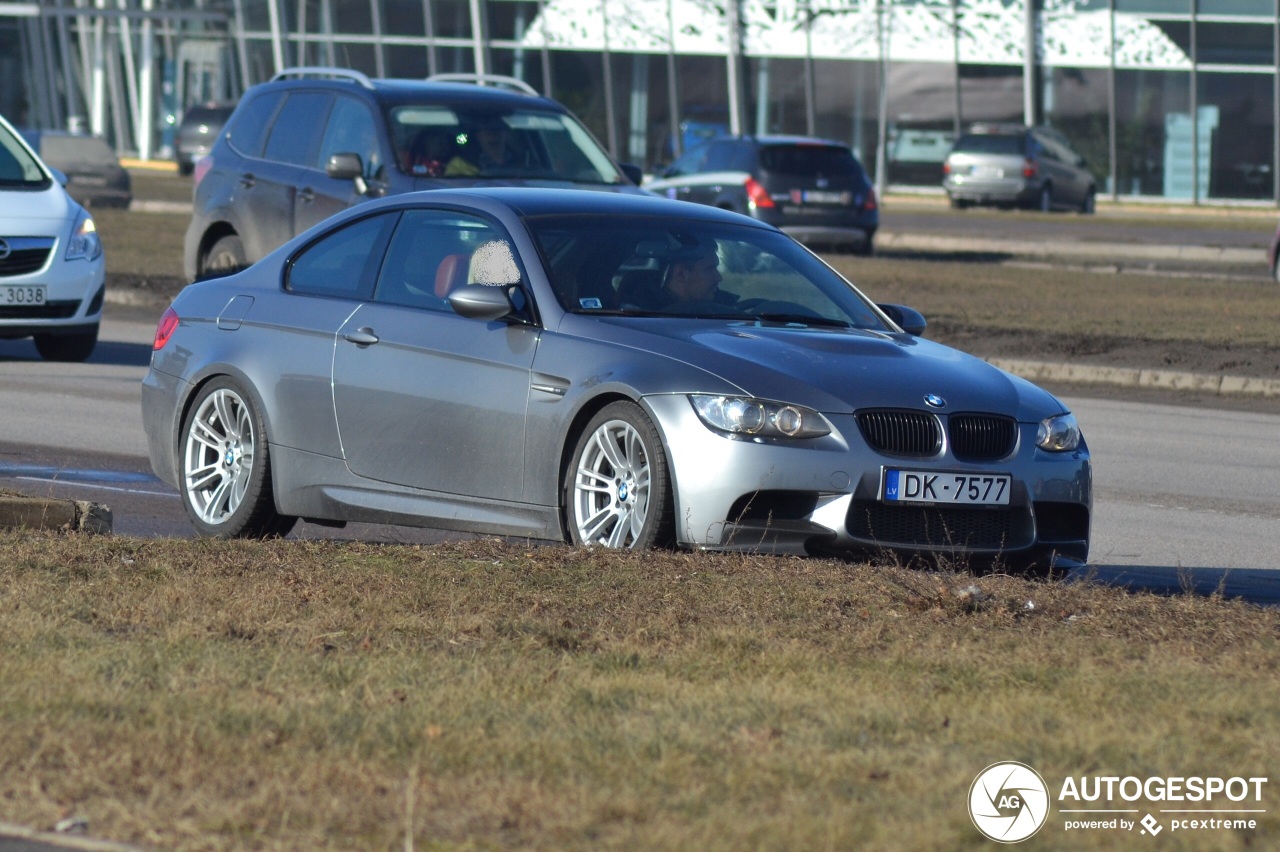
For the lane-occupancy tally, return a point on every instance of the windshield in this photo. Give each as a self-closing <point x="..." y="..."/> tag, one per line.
<point x="17" y="167"/>
<point x="443" y="142"/>
<point x="989" y="143"/>
<point x="649" y="267"/>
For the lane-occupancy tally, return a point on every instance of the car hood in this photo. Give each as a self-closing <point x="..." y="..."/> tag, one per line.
<point x="42" y="213"/>
<point x="838" y="370"/>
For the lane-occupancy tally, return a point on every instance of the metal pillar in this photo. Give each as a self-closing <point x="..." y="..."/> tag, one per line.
<point x="733" y="61"/>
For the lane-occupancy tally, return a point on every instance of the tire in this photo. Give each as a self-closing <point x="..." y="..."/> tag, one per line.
<point x="959" y="204"/>
<point x="225" y="258"/>
<point x="185" y="167"/>
<point x="1045" y="202"/>
<point x="224" y="466"/>
<point x="617" y="491"/>
<point x="1275" y="271"/>
<point x="866" y="249"/>
<point x="1089" y="204"/>
<point x="67" y="347"/>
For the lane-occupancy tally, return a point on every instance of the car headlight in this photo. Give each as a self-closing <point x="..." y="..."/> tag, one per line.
<point x="84" y="243"/>
<point x="1058" y="434"/>
<point x="740" y="415"/>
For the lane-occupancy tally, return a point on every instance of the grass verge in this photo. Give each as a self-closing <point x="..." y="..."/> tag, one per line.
<point x="213" y="695"/>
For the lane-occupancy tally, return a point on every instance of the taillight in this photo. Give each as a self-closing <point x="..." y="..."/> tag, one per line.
<point x="871" y="202"/>
<point x="758" y="195"/>
<point x="1030" y="169"/>
<point x="164" y="330"/>
<point x="201" y="169"/>
<point x="946" y="168"/>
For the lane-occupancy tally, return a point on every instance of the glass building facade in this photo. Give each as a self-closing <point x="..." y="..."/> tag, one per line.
<point x="1174" y="99"/>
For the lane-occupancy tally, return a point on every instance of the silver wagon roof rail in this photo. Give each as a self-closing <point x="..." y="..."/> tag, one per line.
<point x="322" y="72"/>
<point x="514" y="83"/>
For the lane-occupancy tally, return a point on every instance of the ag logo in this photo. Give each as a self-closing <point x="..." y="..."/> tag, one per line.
<point x="1008" y="802"/>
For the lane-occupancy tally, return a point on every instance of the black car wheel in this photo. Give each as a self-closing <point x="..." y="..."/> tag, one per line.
<point x="1089" y="204"/>
<point x="617" y="492"/>
<point x="225" y="258"/>
<point x="67" y="347"/>
<point x="1045" y="202"/>
<point x="225" y="466"/>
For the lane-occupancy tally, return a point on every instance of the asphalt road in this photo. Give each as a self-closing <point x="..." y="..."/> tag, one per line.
<point x="1183" y="493"/>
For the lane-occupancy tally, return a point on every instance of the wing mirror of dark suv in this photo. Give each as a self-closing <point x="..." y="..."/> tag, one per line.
<point x="348" y="166"/>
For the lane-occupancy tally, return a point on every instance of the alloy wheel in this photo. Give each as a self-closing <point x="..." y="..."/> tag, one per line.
<point x="219" y="455"/>
<point x="612" y="486"/>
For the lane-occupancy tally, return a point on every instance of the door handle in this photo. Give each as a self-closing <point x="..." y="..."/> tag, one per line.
<point x="361" y="337"/>
<point x="306" y="195"/>
<point x="247" y="180"/>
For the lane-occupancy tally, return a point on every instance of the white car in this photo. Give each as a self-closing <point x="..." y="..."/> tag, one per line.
<point x="52" y="271"/>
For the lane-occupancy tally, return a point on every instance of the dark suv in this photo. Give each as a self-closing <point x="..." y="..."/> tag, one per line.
<point x="1015" y="166"/>
<point x="314" y="141"/>
<point x="813" y="189"/>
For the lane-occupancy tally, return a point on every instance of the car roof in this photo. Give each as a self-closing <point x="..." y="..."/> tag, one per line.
<point x="782" y="139"/>
<point x="537" y="201"/>
<point x="395" y="91"/>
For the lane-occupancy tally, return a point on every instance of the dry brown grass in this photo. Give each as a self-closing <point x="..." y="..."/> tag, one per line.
<point x="1151" y="307"/>
<point x="299" y="695"/>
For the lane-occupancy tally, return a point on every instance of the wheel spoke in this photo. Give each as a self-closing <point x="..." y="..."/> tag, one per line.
<point x="591" y="528"/>
<point x="609" y="445"/>
<point x="618" y="535"/>
<point x="206" y="434"/>
<point x="592" y="480"/>
<point x="199" y="484"/>
<point x="213" y="510"/>
<point x="225" y="406"/>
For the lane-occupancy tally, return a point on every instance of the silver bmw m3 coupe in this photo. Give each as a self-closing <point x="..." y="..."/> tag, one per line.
<point x="613" y="371"/>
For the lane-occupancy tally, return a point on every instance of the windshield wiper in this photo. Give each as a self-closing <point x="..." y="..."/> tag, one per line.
<point x="803" y="319"/>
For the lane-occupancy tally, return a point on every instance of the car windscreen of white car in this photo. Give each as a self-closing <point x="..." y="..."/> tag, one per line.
<point x="18" y="169"/>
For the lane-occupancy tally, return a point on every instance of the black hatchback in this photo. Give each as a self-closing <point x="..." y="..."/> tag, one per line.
<point x="813" y="189"/>
<point x="314" y="141"/>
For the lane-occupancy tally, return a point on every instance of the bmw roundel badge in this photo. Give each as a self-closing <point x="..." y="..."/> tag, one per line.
<point x="934" y="401"/>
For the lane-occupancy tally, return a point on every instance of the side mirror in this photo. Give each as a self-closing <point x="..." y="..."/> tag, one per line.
<point x="908" y="319"/>
<point x="480" y="301"/>
<point x="633" y="172"/>
<point x="59" y="175"/>
<point x="345" y="166"/>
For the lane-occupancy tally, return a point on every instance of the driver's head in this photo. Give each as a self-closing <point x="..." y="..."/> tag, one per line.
<point x="694" y="274"/>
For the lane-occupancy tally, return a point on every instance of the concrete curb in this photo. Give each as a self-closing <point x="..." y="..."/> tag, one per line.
<point x="1136" y="377"/>
<point x="1060" y="248"/>
<point x="42" y="513"/>
<point x="61" y="840"/>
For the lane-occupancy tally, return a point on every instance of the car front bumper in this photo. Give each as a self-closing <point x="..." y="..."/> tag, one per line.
<point x="74" y="293"/>
<point x="823" y="495"/>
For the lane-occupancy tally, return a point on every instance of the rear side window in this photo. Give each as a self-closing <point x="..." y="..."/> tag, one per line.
<point x="990" y="143"/>
<point x="292" y="139"/>
<point x="729" y="155"/>
<point x="249" y="130"/>
<point x="432" y="253"/>
<point x="808" y="160"/>
<point x="342" y="263"/>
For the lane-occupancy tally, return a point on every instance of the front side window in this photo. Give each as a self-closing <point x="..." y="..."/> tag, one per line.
<point x="688" y="268"/>
<point x="342" y="263"/>
<point x="433" y="252"/>
<point x="446" y="142"/>
<point x="351" y="131"/>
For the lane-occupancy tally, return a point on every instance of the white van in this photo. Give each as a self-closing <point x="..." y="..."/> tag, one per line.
<point x="52" y="271"/>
